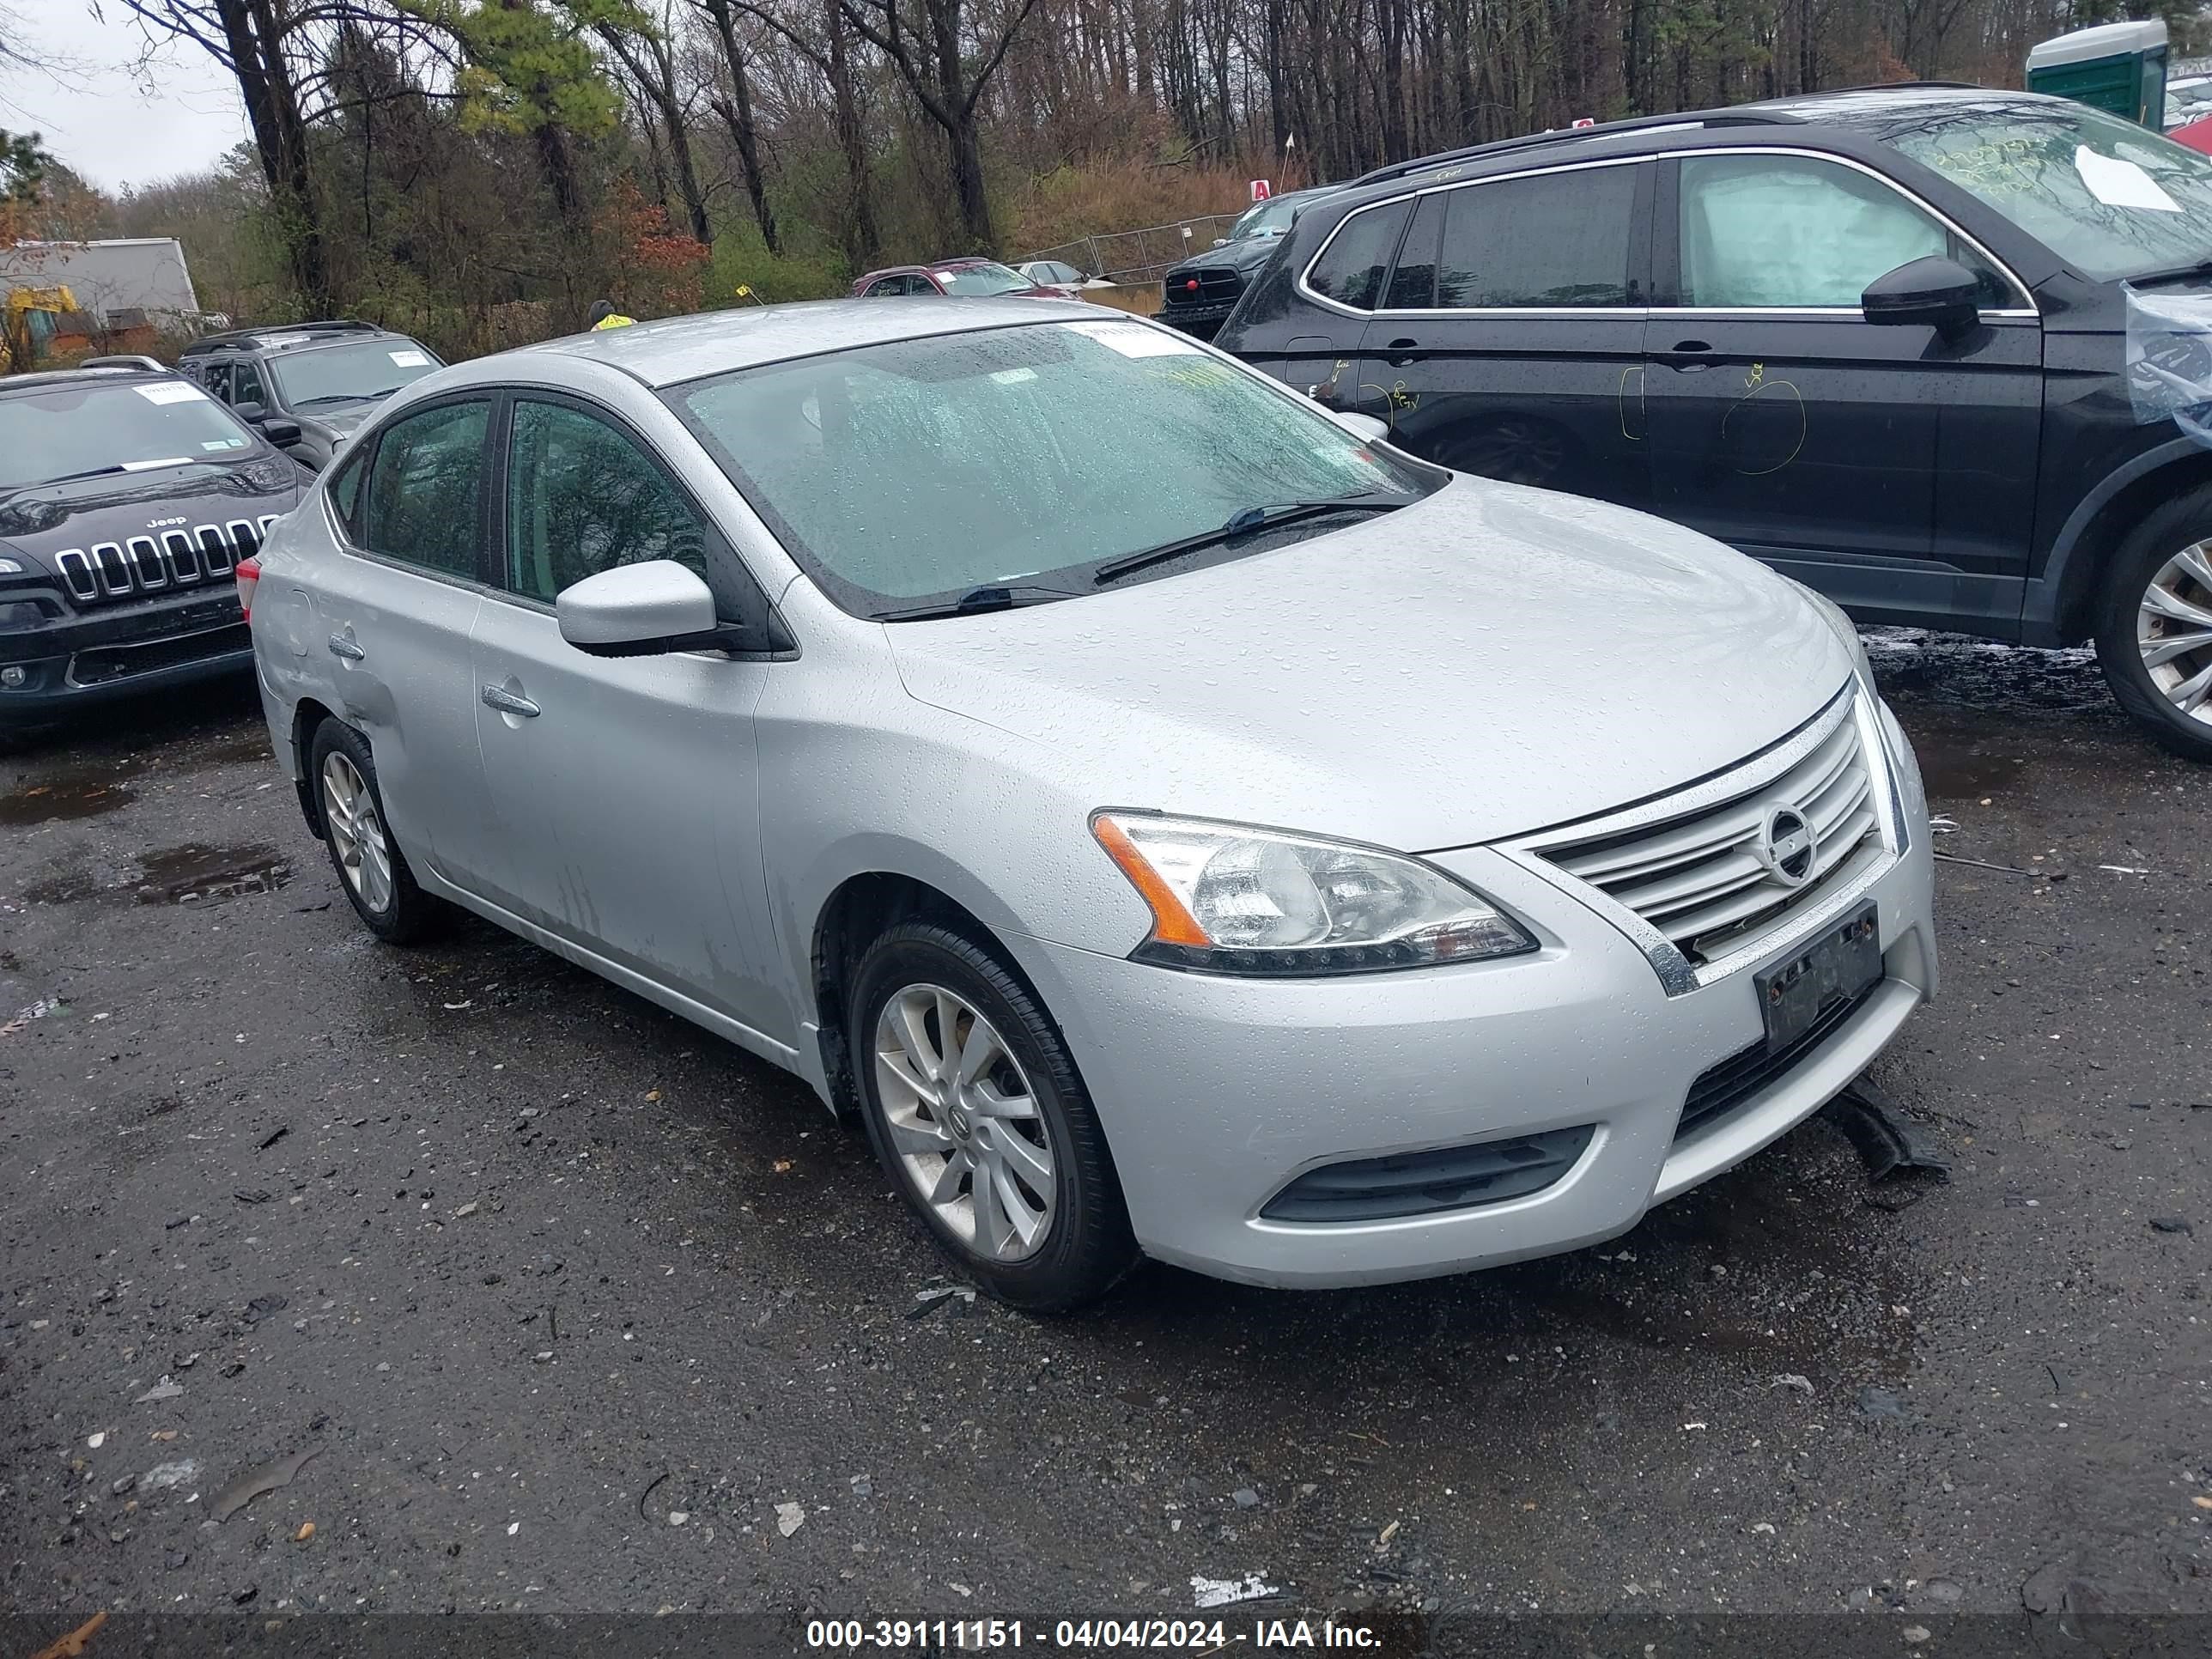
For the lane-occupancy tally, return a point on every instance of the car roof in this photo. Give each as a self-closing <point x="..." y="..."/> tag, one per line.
<point x="677" y="349"/>
<point x="47" y="379"/>
<point x="1872" y="112"/>
<point x="290" y="337"/>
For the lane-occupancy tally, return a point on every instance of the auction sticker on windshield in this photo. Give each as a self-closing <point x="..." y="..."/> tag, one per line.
<point x="169" y="392"/>
<point x="1135" y="340"/>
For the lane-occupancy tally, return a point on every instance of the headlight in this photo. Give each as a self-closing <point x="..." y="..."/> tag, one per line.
<point x="268" y="473"/>
<point x="1236" y="900"/>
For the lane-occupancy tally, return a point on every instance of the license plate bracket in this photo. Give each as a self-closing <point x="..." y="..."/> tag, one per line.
<point x="1840" y="964"/>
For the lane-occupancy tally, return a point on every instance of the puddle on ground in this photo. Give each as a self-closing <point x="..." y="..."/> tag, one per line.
<point x="80" y="796"/>
<point x="71" y="887"/>
<point x="1959" y="769"/>
<point x="193" y="872"/>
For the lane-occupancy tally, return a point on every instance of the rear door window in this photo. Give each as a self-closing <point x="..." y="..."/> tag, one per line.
<point x="1413" y="283"/>
<point x="345" y="493"/>
<point x="425" y="492"/>
<point x="1549" y="240"/>
<point x="1350" y="267"/>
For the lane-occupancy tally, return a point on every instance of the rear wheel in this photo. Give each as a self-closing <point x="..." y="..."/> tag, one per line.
<point x="976" y="1109"/>
<point x="371" y="867"/>
<point x="2154" y="624"/>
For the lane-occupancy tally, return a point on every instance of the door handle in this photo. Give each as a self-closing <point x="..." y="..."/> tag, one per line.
<point x="342" y="645"/>
<point x="1689" y="355"/>
<point x="1402" y="346"/>
<point x="507" y="703"/>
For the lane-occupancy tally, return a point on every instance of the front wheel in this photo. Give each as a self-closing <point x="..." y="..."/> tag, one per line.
<point x="2154" y="624"/>
<point x="976" y="1110"/>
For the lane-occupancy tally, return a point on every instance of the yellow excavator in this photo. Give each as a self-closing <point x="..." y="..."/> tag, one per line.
<point x="27" y="319"/>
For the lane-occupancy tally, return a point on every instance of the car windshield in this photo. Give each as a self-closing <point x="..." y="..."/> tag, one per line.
<point x="73" y="429"/>
<point x="358" y="370"/>
<point x="2109" y="198"/>
<point x="980" y="279"/>
<point x="1267" y="218"/>
<point x="1018" y="455"/>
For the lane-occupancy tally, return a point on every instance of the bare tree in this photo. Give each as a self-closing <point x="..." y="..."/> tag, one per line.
<point x="650" y="64"/>
<point x="928" y="41"/>
<point x="736" y="108"/>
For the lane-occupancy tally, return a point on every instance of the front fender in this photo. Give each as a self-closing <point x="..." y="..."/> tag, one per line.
<point x="2043" y="609"/>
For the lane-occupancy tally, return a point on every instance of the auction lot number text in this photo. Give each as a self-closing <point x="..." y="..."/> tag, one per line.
<point x="977" y="1634"/>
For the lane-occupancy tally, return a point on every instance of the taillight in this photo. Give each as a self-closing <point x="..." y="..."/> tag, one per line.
<point x="249" y="578"/>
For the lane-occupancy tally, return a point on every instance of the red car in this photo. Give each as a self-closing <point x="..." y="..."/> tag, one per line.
<point x="966" y="278"/>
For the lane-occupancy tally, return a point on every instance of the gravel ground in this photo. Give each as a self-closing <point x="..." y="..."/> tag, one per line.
<point x="578" y="1310"/>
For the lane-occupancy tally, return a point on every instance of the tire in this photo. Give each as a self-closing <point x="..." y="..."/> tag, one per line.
<point x="943" y="1155"/>
<point x="380" y="888"/>
<point x="2168" y="553"/>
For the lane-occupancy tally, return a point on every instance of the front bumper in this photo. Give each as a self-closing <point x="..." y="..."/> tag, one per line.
<point x="86" y="658"/>
<point x="1214" y="1092"/>
<point x="1203" y="320"/>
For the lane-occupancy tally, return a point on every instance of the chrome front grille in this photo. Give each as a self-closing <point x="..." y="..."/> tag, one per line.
<point x="138" y="566"/>
<point x="1708" y="879"/>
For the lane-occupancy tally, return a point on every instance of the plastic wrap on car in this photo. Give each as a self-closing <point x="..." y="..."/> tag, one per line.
<point x="2169" y="360"/>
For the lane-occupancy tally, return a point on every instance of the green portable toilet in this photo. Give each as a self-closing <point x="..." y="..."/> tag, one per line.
<point x="2120" y="67"/>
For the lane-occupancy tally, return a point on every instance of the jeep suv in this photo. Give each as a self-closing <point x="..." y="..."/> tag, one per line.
<point x="127" y="499"/>
<point x="1196" y="295"/>
<point x="309" y="385"/>
<point x="1927" y="349"/>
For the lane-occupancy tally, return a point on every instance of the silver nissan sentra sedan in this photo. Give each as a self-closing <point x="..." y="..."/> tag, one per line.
<point x="1175" y="821"/>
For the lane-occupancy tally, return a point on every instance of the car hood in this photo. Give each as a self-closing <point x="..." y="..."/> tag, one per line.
<point x="338" y="422"/>
<point x="1247" y="255"/>
<point x="42" y="521"/>
<point x="1493" y="660"/>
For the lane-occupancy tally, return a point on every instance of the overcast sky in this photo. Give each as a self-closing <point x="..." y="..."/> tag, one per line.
<point x="96" y="120"/>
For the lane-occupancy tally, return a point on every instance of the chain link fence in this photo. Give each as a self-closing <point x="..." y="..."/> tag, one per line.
<point x="1142" y="256"/>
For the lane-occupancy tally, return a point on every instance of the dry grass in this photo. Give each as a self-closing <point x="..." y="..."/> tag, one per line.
<point x="1073" y="202"/>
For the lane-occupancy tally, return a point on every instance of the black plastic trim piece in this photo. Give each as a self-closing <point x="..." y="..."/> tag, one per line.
<point x="1424" y="1184"/>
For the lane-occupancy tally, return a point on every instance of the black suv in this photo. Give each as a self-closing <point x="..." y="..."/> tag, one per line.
<point x="1933" y="350"/>
<point x="1198" y="293"/>
<point x="127" y="498"/>
<point x="308" y="385"/>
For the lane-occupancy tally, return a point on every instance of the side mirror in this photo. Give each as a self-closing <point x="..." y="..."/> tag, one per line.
<point x="638" y="611"/>
<point x="279" y="429"/>
<point x="1364" y="426"/>
<point x="1934" y="293"/>
<point x="251" y="414"/>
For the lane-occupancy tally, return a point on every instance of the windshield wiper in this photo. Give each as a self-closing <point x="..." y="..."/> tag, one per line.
<point x="1248" y="521"/>
<point x="1000" y="596"/>
<point x="109" y="471"/>
<point x="2202" y="267"/>
<point x="341" y="398"/>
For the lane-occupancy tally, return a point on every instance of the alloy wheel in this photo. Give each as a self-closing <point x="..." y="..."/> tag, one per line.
<point x="2173" y="631"/>
<point x="963" y="1122"/>
<point x="356" y="831"/>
